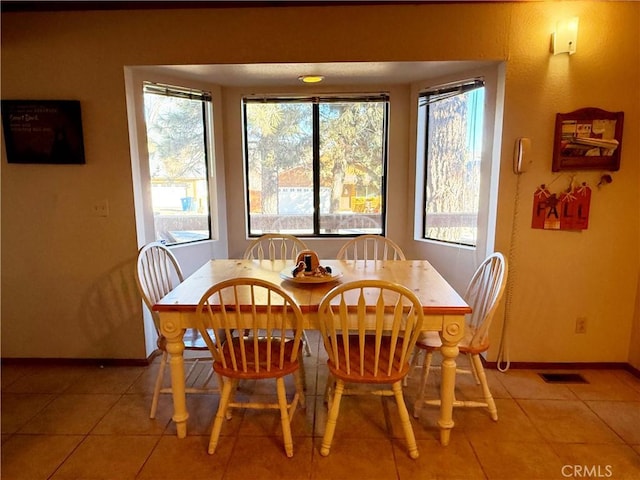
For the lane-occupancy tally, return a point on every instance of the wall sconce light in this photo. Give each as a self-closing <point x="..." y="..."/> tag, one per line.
<point x="565" y="38"/>
<point x="311" y="78"/>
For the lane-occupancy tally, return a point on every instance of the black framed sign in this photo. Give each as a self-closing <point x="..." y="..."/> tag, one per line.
<point x="43" y="131"/>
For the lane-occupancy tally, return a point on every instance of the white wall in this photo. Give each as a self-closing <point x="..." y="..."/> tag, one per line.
<point x="67" y="284"/>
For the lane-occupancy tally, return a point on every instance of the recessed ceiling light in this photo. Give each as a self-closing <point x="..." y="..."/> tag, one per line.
<point x="311" y="78"/>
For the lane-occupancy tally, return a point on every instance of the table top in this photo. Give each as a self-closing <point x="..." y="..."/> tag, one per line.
<point x="435" y="294"/>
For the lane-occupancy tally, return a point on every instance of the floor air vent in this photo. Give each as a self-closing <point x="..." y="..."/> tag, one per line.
<point x="563" y="378"/>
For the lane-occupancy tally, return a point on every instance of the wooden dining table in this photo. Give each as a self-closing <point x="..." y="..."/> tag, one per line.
<point x="444" y="311"/>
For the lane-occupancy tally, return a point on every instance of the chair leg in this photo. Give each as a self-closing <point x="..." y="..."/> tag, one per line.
<point x="332" y="419"/>
<point x="307" y="348"/>
<point x="413" y="364"/>
<point x="405" y="421"/>
<point x="488" y="398"/>
<point x="158" y="385"/>
<point x="227" y="388"/>
<point x="426" y="366"/>
<point x="328" y="390"/>
<point x="474" y="370"/>
<point x="303" y="373"/>
<point x="300" y="384"/>
<point x="284" y="417"/>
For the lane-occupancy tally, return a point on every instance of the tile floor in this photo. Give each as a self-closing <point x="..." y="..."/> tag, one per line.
<point x="83" y="422"/>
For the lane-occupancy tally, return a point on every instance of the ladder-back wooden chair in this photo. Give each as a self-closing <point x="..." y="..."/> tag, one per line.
<point x="278" y="246"/>
<point x="370" y="247"/>
<point x="274" y="246"/>
<point x="483" y="295"/>
<point x="269" y="351"/>
<point x="157" y="273"/>
<point x="369" y="343"/>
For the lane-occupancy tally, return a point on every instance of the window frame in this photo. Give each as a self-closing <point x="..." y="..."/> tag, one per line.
<point x="425" y="99"/>
<point x="316" y="101"/>
<point x="206" y="103"/>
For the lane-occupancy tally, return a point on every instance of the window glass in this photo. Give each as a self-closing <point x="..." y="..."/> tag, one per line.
<point x="177" y="146"/>
<point x="316" y="155"/>
<point x="453" y="122"/>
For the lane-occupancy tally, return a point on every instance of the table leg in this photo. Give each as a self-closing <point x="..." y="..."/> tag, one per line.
<point x="447" y="391"/>
<point x="175" y="348"/>
<point x="451" y="334"/>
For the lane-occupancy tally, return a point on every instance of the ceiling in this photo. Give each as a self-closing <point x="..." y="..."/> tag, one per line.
<point x="337" y="73"/>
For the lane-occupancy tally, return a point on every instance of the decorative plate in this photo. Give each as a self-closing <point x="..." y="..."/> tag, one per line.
<point x="288" y="275"/>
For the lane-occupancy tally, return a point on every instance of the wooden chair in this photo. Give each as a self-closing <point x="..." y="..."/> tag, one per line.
<point x="370" y="247"/>
<point x="268" y="352"/>
<point x="483" y="295"/>
<point x="369" y="344"/>
<point x="274" y="246"/>
<point x="278" y="246"/>
<point x="157" y="273"/>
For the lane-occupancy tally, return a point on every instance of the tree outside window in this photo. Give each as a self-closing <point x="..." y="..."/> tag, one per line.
<point x="316" y="167"/>
<point x="452" y="118"/>
<point x="178" y="160"/>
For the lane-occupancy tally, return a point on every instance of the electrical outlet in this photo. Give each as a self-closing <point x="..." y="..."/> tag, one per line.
<point x="581" y="325"/>
<point x="101" y="208"/>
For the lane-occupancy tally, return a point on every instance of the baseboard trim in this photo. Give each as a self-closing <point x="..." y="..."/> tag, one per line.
<point x="83" y="362"/>
<point x="569" y="366"/>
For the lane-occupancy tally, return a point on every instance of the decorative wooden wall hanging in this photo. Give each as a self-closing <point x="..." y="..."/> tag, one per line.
<point x="568" y="210"/>
<point x="587" y="139"/>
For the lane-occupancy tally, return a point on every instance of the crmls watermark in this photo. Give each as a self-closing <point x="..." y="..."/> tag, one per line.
<point x="587" y="471"/>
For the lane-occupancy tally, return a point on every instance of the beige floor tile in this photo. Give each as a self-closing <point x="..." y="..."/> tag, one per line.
<point x="565" y="421"/>
<point x="145" y="382"/>
<point x="45" y="379"/>
<point x="322" y="372"/>
<point x="267" y="422"/>
<point x="311" y="376"/>
<point x="19" y="408"/>
<point x="513" y="424"/>
<point x="628" y="378"/>
<point x="265" y="458"/>
<point x="360" y="416"/>
<point x="528" y="384"/>
<point x="622" y="417"/>
<point x="466" y="387"/>
<point x="106" y="380"/>
<point x="70" y="414"/>
<point x="11" y="373"/>
<point x="186" y="458"/>
<point x="541" y="428"/>
<point x="456" y="461"/>
<point x="130" y="416"/>
<point x="107" y="457"/>
<point x="34" y="457"/>
<point x="598" y="461"/>
<point x="518" y="460"/>
<point x="420" y="430"/>
<point x="202" y="409"/>
<point x="355" y="458"/>
<point x="198" y="377"/>
<point x="426" y="425"/>
<point x="604" y="386"/>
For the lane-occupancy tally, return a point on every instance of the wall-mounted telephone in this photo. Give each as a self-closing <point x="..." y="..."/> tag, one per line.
<point x="522" y="155"/>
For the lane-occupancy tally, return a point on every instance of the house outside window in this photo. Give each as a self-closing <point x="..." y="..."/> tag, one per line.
<point x="316" y="166"/>
<point x="176" y="128"/>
